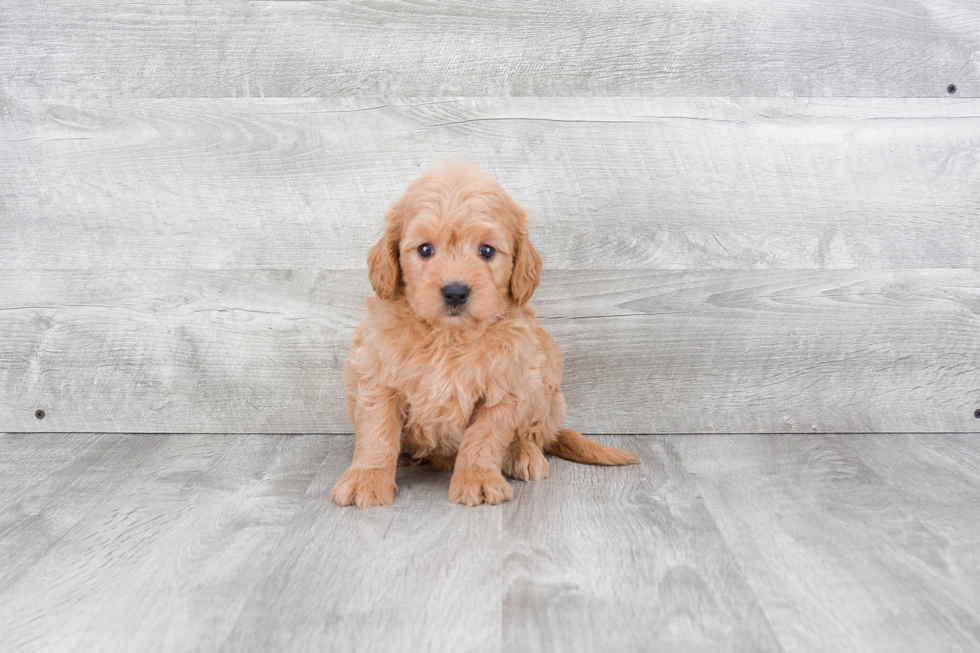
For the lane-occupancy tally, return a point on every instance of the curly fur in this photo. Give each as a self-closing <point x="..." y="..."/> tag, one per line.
<point x="477" y="391"/>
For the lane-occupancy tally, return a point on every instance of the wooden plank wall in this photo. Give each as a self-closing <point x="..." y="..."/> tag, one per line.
<point x="755" y="217"/>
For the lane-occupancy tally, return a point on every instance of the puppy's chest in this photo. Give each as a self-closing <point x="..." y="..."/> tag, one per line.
<point x="444" y="390"/>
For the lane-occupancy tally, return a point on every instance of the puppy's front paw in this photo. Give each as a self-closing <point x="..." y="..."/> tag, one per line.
<point x="365" y="488"/>
<point x="473" y="485"/>
<point x="525" y="461"/>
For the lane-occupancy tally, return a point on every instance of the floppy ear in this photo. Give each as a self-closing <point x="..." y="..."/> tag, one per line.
<point x="383" y="269"/>
<point x="527" y="267"/>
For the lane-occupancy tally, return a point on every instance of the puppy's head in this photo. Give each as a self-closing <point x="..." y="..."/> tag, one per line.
<point x="456" y="247"/>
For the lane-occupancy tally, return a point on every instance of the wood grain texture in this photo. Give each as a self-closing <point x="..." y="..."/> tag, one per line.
<point x="623" y="559"/>
<point x="737" y="543"/>
<point x="422" y="575"/>
<point x="231" y="543"/>
<point x="670" y="351"/>
<point x="169" y="545"/>
<point x="838" y="557"/>
<point x="112" y="48"/>
<point x="939" y="476"/>
<point x="51" y="484"/>
<point x="611" y="182"/>
<point x="939" y="479"/>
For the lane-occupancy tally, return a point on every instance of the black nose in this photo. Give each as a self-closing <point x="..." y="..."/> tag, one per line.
<point x="455" y="294"/>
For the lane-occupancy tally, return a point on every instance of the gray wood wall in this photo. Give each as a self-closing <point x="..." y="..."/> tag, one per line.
<point x="755" y="216"/>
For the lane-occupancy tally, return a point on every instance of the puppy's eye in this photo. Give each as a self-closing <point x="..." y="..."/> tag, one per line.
<point x="425" y="251"/>
<point x="487" y="252"/>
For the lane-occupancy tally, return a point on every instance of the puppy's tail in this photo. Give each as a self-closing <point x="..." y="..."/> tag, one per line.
<point x="572" y="445"/>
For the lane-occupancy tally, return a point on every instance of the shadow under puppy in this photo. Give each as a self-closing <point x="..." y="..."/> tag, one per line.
<point x="451" y="366"/>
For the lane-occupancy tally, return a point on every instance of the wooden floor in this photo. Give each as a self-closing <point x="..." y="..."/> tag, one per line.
<point x="744" y="542"/>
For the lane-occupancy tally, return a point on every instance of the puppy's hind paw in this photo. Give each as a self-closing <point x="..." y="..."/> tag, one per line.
<point x="525" y="461"/>
<point x="365" y="488"/>
<point x="474" y="485"/>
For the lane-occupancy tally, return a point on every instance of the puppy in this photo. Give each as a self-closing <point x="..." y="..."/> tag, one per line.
<point x="451" y="366"/>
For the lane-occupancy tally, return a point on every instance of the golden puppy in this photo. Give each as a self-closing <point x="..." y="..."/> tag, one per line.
<point x="451" y="365"/>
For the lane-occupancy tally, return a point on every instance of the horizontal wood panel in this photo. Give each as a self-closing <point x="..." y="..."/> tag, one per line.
<point x="612" y="183"/>
<point x="668" y="351"/>
<point x="227" y="48"/>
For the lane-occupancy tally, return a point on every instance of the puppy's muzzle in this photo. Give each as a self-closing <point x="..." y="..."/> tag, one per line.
<point x="455" y="294"/>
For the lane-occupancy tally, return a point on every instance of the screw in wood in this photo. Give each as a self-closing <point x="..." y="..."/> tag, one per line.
<point x="976" y="413"/>
<point x="951" y="89"/>
<point x="40" y="413"/>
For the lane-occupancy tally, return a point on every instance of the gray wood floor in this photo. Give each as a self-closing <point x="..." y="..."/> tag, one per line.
<point x="750" y="542"/>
